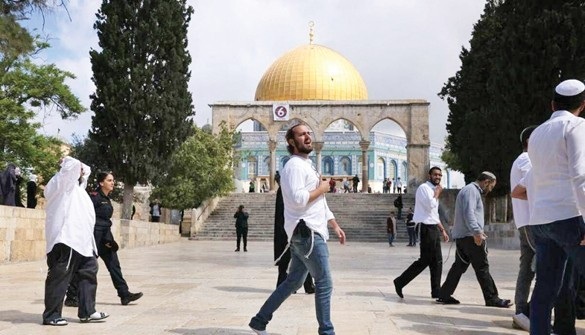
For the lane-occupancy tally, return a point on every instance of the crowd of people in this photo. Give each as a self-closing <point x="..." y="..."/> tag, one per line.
<point x="547" y="186"/>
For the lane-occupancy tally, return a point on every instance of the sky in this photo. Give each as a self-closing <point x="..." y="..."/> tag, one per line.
<point x="403" y="49"/>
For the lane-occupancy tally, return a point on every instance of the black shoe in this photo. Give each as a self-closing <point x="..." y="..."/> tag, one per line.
<point x="131" y="297"/>
<point x="71" y="302"/>
<point x="238" y="249"/>
<point x="310" y="290"/>
<point x="448" y="301"/>
<point x="502" y="303"/>
<point x="398" y="289"/>
<point x="245" y="250"/>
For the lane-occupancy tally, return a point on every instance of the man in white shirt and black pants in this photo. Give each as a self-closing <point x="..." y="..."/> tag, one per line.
<point x="306" y="216"/>
<point x="426" y="215"/>
<point x="556" y="196"/>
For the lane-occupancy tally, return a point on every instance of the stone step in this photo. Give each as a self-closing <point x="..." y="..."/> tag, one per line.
<point x="362" y="216"/>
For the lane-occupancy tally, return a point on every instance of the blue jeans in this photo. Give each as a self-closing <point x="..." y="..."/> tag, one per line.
<point x="556" y="242"/>
<point x="390" y="238"/>
<point x="318" y="265"/>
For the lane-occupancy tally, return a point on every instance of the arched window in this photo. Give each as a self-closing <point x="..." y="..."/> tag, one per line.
<point x="328" y="166"/>
<point x="266" y="167"/>
<point x="380" y="168"/>
<point x="345" y="166"/>
<point x="393" y="171"/>
<point x="252" y="167"/>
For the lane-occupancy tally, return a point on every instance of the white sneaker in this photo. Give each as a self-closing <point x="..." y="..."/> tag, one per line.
<point x="521" y="321"/>
<point x="94" y="317"/>
<point x="259" y="332"/>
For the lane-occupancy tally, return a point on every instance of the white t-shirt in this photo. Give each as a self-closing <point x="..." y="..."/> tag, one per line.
<point x="520" y="168"/>
<point x="297" y="180"/>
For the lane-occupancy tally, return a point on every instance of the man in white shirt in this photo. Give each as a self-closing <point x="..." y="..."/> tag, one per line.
<point x="556" y="196"/>
<point x="519" y="169"/>
<point x="306" y="216"/>
<point x="426" y="215"/>
<point x="71" y="248"/>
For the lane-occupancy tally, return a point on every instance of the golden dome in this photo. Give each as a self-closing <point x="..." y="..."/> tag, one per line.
<point x="311" y="72"/>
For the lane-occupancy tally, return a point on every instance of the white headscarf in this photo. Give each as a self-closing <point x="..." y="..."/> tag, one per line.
<point x="70" y="212"/>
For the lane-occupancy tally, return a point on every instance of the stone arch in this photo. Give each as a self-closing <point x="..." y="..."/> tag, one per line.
<point x="411" y="115"/>
<point x="345" y="166"/>
<point x="328" y="166"/>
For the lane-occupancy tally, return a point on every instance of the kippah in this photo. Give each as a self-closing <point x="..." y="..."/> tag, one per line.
<point x="570" y="87"/>
<point x="569" y="92"/>
<point x="491" y="175"/>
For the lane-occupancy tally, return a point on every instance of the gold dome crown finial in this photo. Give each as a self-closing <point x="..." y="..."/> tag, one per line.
<point x="311" y="32"/>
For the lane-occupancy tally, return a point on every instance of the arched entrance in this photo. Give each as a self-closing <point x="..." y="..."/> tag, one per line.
<point x="410" y="115"/>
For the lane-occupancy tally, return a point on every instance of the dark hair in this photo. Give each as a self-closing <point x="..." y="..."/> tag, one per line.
<point x="525" y="135"/>
<point x="568" y="103"/>
<point x="486" y="175"/>
<point x="290" y="134"/>
<point x="431" y="170"/>
<point x="101" y="176"/>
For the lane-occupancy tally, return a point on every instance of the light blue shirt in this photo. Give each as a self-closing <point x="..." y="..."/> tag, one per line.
<point x="468" y="212"/>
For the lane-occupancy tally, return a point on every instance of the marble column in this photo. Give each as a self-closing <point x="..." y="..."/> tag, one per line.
<point x="318" y="146"/>
<point x="365" y="145"/>
<point x="272" y="149"/>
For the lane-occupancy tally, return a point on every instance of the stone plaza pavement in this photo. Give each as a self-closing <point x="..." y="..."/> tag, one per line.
<point x="204" y="288"/>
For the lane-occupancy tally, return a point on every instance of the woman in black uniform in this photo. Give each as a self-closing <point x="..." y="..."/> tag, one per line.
<point x="104" y="239"/>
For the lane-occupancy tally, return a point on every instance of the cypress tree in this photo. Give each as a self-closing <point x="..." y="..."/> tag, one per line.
<point x="142" y="105"/>
<point x="519" y="51"/>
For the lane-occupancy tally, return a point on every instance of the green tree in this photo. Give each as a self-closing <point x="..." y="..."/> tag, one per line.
<point x="518" y="52"/>
<point x="27" y="88"/>
<point x="142" y="105"/>
<point x="199" y="170"/>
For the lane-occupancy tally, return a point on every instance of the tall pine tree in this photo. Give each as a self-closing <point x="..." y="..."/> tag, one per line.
<point x="142" y="105"/>
<point x="518" y="52"/>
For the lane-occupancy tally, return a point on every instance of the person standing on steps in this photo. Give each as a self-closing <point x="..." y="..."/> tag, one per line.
<point x="426" y="214"/>
<point x="241" y="217"/>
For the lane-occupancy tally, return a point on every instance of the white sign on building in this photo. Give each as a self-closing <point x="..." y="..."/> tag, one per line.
<point x="280" y="112"/>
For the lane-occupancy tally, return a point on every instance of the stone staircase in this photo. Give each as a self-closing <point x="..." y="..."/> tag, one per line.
<point x="362" y="216"/>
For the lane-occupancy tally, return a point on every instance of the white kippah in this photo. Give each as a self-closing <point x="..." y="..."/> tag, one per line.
<point x="570" y="87"/>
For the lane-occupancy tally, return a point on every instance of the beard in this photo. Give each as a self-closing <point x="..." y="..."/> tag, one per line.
<point x="302" y="149"/>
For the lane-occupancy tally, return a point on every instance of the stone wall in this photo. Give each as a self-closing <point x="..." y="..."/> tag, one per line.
<point x="22" y="234"/>
<point x="500" y="234"/>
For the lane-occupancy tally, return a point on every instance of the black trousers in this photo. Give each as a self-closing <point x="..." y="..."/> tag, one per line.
<point x="102" y="236"/>
<point x="469" y="253"/>
<point x="430" y="255"/>
<point x="411" y="235"/>
<point x="242" y="233"/>
<point x="63" y="263"/>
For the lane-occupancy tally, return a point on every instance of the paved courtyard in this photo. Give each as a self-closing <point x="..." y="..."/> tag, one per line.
<point x="205" y="288"/>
